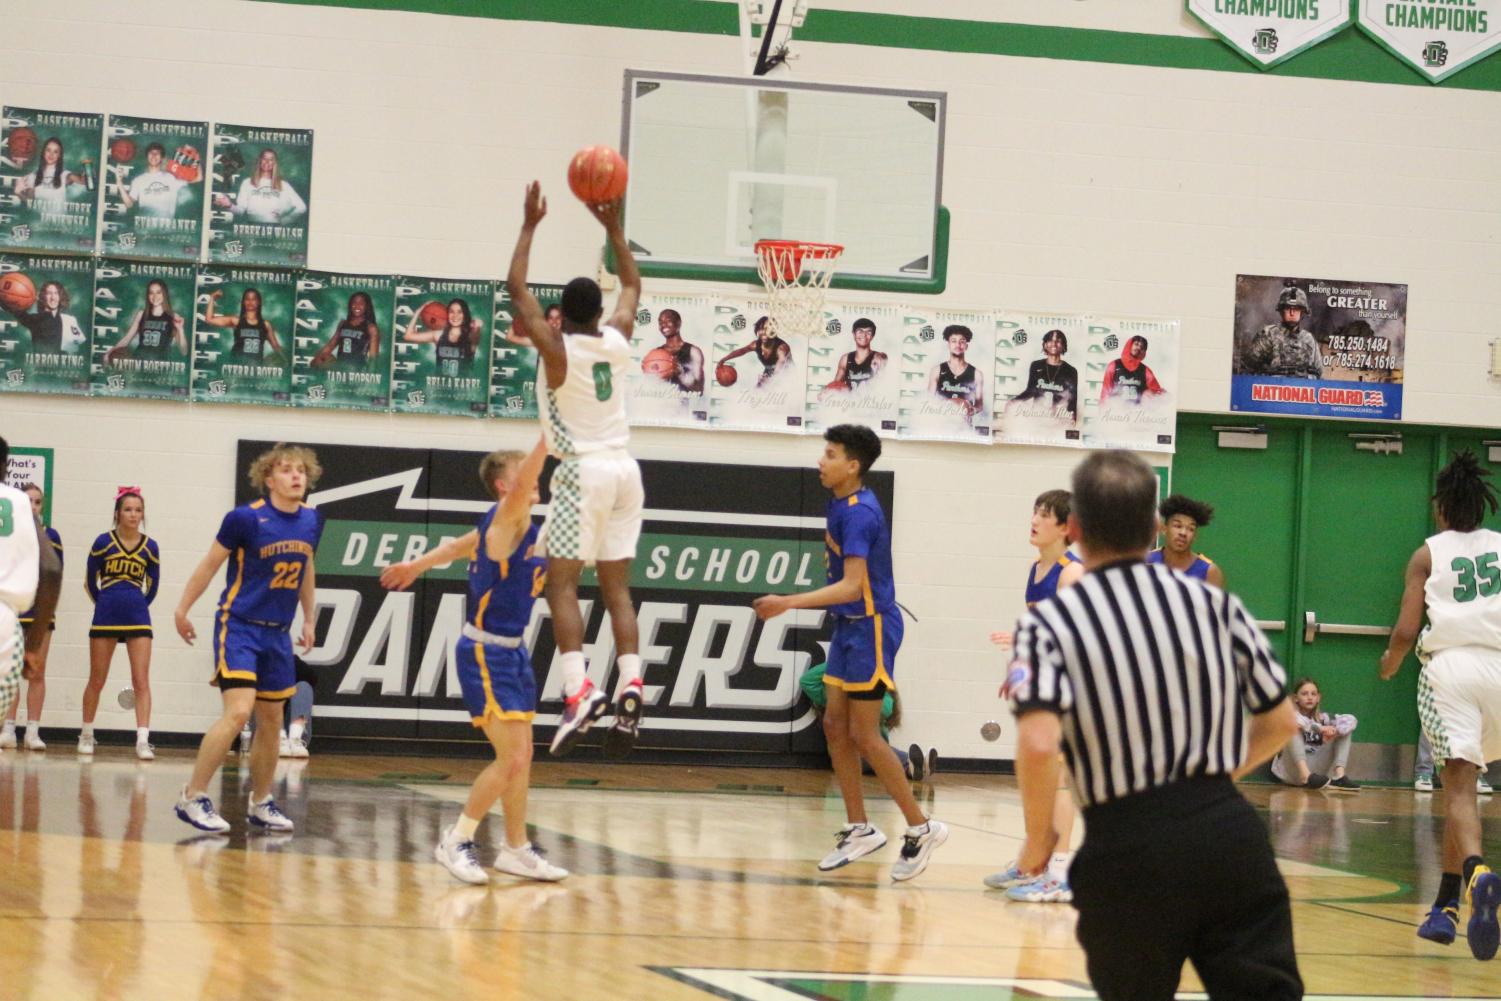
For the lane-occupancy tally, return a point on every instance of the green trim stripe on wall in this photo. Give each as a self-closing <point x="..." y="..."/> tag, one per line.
<point x="1350" y="55"/>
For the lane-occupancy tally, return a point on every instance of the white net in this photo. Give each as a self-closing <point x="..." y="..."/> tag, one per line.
<point x="796" y="275"/>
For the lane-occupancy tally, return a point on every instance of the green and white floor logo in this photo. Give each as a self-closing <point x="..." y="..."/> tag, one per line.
<point x="793" y="985"/>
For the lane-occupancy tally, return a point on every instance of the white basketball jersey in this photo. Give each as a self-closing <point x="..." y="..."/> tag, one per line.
<point x="587" y="412"/>
<point x="18" y="549"/>
<point x="1463" y="591"/>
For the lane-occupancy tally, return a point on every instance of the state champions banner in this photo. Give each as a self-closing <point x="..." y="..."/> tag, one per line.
<point x="1318" y="347"/>
<point x="143" y="318"/>
<point x="1438" y="38"/>
<point x="261" y="195"/>
<point x="154" y="187"/>
<point x="670" y="347"/>
<point x="341" y="355"/>
<point x="854" y="370"/>
<point x="44" y="346"/>
<point x="442" y="346"/>
<point x="948" y="360"/>
<point x="716" y="678"/>
<point x="1131" y="386"/>
<point x="243" y="327"/>
<point x="1269" y="32"/>
<point x="1038" y="381"/>
<point x="49" y="180"/>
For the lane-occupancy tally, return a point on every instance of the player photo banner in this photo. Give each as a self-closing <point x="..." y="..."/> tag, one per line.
<point x="947" y="363"/>
<point x="717" y="679"/>
<point x="49" y="180"/>
<point x="242" y="336"/>
<point x="1438" y="38"/>
<point x="46" y="310"/>
<point x="1131" y="386"/>
<point x="442" y="346"/>
<point x="1038" y="378"/>
<point x="513" y="365"/>
<point x="670" y="348"/>
<point x="154" y="185"/>
<point x="1318" y="347"/>
<point x="143" y="317"/>
<point x="341" y="354"/>
<point x="261" y="195"/>
<point x="1269" y="32"/>
<point x="758" y="373"/>
<point x="854" y="372"/>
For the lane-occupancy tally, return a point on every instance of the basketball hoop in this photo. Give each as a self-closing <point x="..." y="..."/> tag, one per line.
<point x="796" y="274"/>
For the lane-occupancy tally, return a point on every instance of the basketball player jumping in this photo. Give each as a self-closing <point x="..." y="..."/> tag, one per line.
<point x="1456" y="575"/>
<point x="597" y="498"/>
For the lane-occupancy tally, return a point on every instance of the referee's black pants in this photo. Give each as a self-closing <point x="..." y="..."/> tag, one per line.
<point x="1183" y="872"/>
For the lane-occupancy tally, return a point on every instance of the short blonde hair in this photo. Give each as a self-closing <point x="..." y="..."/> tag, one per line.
<point x="493" y="467"/>
<point x="282" y="452"/>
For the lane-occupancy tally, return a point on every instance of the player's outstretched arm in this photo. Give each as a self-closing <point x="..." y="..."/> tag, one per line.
<point x="1410" y="615"/>
<point x="526" y="312"/>
<point x="400" y="576"/>
<point x="515" y="513"/>
<point x="193" y="590"/>
<point x="609" y="216"/>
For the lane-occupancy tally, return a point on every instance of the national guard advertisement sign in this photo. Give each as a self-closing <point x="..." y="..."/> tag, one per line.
<point x="1269" y="32"/>
<point x="1318" y="347"/>
<point x="716" y="537"/>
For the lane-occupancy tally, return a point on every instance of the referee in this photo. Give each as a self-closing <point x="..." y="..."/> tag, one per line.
<point x="1146" y="678"/>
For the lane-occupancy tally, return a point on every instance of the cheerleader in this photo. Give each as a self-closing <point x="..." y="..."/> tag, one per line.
<point x="122" y="578"/>
<point x="36" y="682"/>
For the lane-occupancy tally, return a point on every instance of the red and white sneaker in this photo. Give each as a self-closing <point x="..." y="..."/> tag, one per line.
<point x="579" y="714"/>
<point x="621" y="737"/>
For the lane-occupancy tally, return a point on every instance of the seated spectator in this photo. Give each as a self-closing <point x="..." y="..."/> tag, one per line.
<point x="1316" y="757"/>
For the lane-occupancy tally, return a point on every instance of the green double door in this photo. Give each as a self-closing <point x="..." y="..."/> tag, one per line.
<point x="1314" y="531"/>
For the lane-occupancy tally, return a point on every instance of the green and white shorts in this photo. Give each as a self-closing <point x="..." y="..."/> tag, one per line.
<point x="12" y="657"/>
<point x="1459" y="704"/>
<point x="596" y="509"/>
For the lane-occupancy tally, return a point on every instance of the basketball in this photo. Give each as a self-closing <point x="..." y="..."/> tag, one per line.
<point x="838" y="386"/>
<point x="726" y="374"/>
<point x="660" y="363"/>
<point x="122" y="150"/>
<point x="21" y="145"/>
<point x="433" y="315"/>
<point x="17" y="292"/>
<point x="597" y="174"/>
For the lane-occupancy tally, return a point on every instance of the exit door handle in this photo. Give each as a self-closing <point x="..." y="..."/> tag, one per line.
<point x="1312" y="627"/>
<point x="1272" y="625"/>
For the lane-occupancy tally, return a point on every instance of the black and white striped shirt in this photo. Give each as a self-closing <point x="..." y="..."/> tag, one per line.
<point x="1151" y="673"/>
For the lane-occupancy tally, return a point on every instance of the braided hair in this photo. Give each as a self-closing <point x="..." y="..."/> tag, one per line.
<point x="1462" y="494"/>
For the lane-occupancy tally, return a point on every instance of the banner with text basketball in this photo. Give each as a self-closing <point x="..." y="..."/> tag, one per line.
<point x="1438" y="38"/>
<point x="717" y="679"/>
<point x="758" y="373"/>
<point x="341" y="354"/>
<point x="947" y="363"/>
<point x="1269" y="32"/>
<point x="261" y="193"/>
<point x="442" y="346"/>
<point x="1037" y="377"/>
<point x="854" y="376"/>
<point x="143" y="317"/>
<point x="49" y="180"/>
<point x="670" y="346"/>
<point x="1321" y="347"/>
<point x="46" y="311"/>
<point x="513" y="360"/>
<point x="1131" y="384"/>
<point x="154" y="185"/>
<point x="242" y="335"/>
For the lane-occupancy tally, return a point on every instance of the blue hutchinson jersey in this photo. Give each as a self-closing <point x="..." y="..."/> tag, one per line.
<point x="1041" y="590"/>
<point x="1199" y="568"/>
<point x="502" y="592"/>
<point x="857" y="527"/>
<point x="269" y="555"/>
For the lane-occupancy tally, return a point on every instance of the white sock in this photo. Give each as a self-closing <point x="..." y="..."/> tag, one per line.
<point x="573" y="672"/>
<point x="33" y="728"/>
<point x="464" y="828"/>
<point x="919" y="829"/>
<point x="143" y="734"/>
<point x="88" y="730"/>
<point x="295" y="732"/>
<point x="630" y="670"/>
<point x="1058" y="866"/>
<point x="10" y="726"/>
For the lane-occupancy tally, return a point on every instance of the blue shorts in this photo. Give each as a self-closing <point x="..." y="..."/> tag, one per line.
<point x="251" y="655"/>
<point x="497" y="681"/>
<point x="862" y="653"/>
